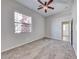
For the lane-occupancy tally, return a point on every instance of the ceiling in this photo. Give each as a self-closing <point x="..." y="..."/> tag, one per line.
<point x="59" y="6"/>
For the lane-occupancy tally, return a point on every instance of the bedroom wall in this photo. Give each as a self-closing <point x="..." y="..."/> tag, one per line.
<point x="53" y="24"/>
<point x="9" y="39"/>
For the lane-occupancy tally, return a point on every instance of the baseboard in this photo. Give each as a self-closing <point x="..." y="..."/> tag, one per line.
<point x="22" y="44"/>
<point x="37" y="38"/>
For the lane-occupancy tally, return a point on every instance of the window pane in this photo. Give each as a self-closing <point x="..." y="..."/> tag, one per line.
<point x="18" y="17"/>
<point x="26" y="19"/>
<point x="18" y="28"/>
<point x="26" y="28"/>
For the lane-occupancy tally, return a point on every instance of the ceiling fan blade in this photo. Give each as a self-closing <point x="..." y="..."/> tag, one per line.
<point x="45" y="10"/>
<point x="50" y="1"/>
<point x="50" y="7"/>
<point x="40" y="8"/>
<point x="40" y="2"/>
<point x="45" y="3"/>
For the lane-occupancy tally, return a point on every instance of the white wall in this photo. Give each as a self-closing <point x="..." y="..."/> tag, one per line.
<point x="9" y="38"/>
<point x="53" y="24"/>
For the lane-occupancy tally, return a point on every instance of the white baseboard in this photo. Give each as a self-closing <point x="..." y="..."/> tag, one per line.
<point x="37" y="38"/>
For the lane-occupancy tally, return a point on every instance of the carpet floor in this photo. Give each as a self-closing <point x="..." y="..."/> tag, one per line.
<point x="41" y="49"/>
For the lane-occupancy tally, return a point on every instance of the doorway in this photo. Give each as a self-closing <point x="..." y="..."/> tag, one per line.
<point x="67" y="31"/>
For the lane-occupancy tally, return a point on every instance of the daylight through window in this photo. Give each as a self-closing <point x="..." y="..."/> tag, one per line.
<point x="23" y="23"/>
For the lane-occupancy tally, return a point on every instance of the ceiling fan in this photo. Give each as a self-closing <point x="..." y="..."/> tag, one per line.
<point x="45" y="5"/>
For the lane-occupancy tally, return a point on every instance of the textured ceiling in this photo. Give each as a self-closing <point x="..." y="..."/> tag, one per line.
<point x="59" y="6"/>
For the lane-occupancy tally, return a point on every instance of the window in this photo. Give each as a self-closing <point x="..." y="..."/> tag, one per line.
<point x="23" y="23"/>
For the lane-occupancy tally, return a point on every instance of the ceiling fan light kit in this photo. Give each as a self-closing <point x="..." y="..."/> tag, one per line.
<point x="45" y="5"/>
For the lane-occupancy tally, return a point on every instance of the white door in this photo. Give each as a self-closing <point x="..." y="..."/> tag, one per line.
<point x="66" y="31"/>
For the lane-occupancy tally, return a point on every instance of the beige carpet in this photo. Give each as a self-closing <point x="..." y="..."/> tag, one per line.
<point x="42" y="49"/>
